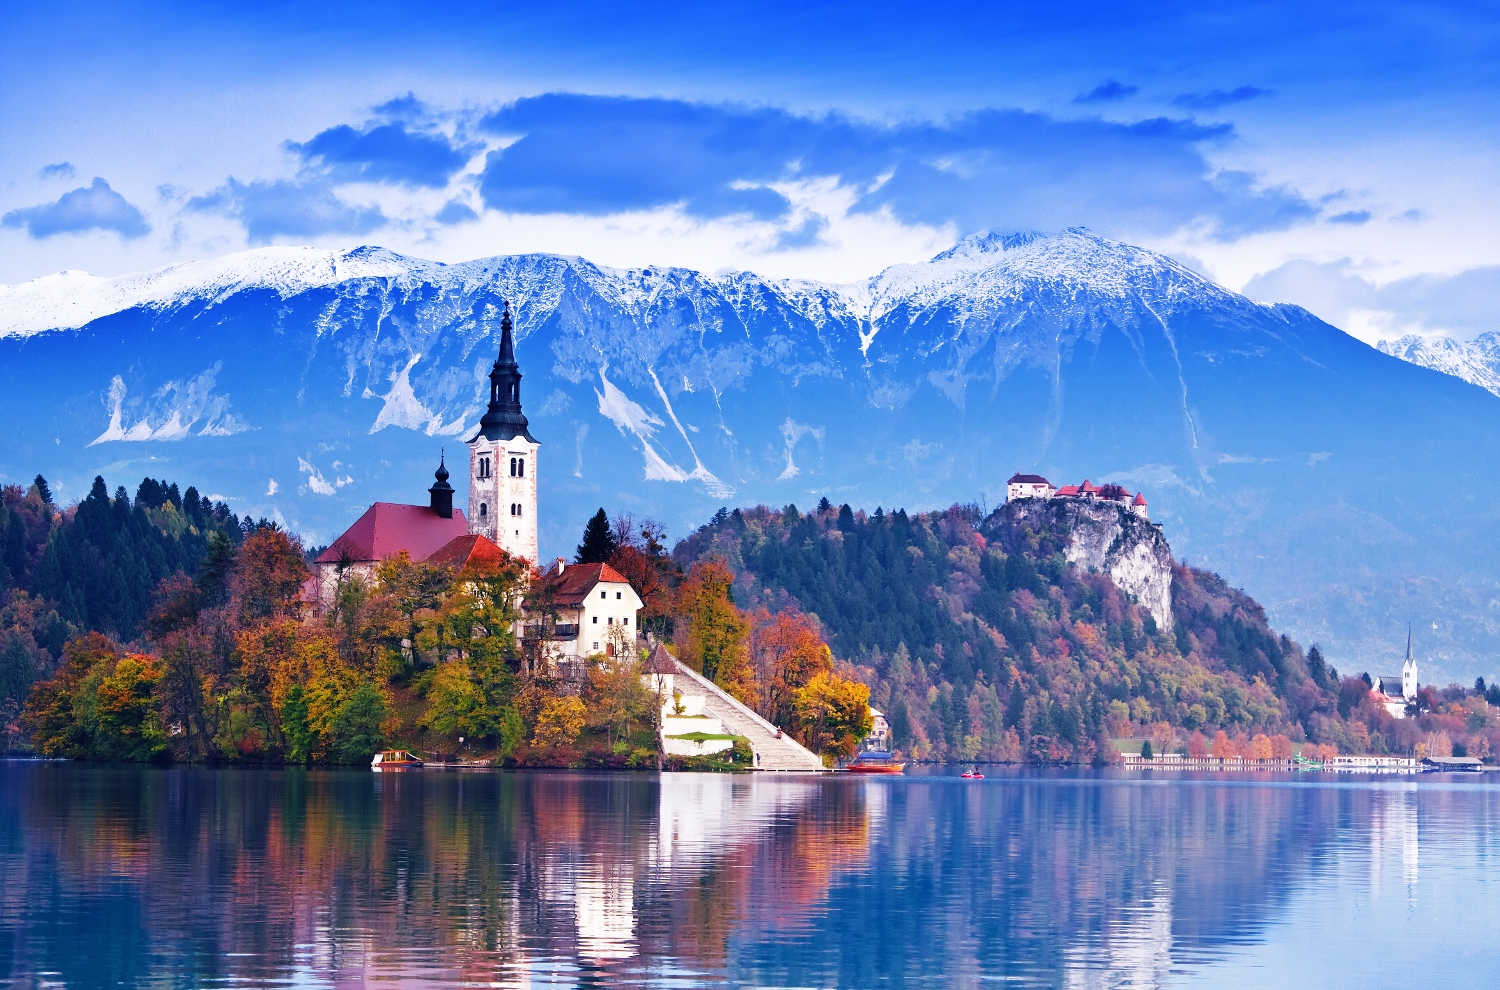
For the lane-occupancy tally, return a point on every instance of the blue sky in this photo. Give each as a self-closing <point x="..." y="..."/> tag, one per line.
<point x="1342" y="156"/>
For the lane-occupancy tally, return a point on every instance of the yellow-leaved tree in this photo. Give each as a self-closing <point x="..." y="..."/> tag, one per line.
<point x="560" y="721"/>
<point x="713" y="640"/>
<point x="833" y="714"/>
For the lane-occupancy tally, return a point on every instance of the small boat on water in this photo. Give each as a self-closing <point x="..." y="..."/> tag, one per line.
<point x="876" y="762"/>
<point x="394" y="759"/>
<point x="972" y="774"/>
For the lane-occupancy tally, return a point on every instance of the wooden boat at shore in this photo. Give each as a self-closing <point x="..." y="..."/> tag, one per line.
<point x="876" y="762"/>
<point x="394" y="759"/>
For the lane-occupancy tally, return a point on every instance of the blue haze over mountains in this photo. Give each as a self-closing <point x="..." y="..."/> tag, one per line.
<point x="1347" y="490"/>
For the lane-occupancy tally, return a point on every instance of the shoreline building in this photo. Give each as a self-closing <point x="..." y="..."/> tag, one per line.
<point x="1395" y="693"/>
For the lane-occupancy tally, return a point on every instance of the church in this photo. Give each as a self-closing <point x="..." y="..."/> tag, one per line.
<point x="597" y="606"/>
<point x="1395" y="693"/>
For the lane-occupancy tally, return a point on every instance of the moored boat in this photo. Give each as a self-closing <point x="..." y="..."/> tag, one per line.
<point x="876" y="762"/>
<point x="394" y="759"/>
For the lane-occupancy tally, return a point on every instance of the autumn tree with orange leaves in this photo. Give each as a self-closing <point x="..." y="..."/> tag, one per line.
<point x="788" y="652"/>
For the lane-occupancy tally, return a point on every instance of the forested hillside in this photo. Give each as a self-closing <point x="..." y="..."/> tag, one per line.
<point x="163" y="627"/>
<point x="90" y="566"/>
<point x="980" y="642"/>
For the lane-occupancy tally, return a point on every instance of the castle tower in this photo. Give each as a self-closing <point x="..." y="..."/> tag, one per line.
<point x="1409" y="671"/>
<point x="502" y="460"/>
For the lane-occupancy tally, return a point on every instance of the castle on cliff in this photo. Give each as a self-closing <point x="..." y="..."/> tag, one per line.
<point x="1035" y="486"/>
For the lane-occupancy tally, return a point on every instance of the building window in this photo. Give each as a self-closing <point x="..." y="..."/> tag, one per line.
<point x="484" y="467"/>
<point x="609" y="621"/>
<point x="483" y="510"/>
<point x="596" y="620"/>
<point x="602" y="594"/>
<point x="512" y="467"/>
<point x="520" y="467"/>
<point x="619" y="595"/>
<point x="625" y="621"/>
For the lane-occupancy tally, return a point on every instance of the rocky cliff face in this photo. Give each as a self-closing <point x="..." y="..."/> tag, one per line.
<point x="1102" y="536"/>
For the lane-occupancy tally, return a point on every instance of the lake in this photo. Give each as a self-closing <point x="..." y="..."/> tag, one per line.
<point x="195" y="877"/>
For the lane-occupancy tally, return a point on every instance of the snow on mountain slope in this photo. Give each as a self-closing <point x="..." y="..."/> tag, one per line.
<point x="981" y="271"/>
<point x="1476" y="361"/>
<point x="303" y="384"/>
<point x="71" y="299"/>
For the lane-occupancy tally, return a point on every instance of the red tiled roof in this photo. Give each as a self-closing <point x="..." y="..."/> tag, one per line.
<point x="1028" y="479"/>
<point x="577" y="580"/>
<point x="387" y="528"/>
<point x="1086" y="487"/>
<point x="1068" y="490"/>
<point x="461" y="551"/>
<point x="1139" y="499"/>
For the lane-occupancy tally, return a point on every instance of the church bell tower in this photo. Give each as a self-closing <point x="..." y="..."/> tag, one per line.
<point x="502" y="460"/>
<point x="1409" y="683"/>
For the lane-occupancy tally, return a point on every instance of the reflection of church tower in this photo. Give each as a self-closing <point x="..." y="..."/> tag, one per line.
<point x="502" y="460"/>
<point x="1409" y="672"/>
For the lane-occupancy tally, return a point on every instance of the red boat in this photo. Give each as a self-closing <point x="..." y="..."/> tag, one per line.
<point x="972" y="774"/>
<point x="876" y="762"/>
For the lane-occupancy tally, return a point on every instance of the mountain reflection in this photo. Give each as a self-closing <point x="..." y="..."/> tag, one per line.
<point x="194" y="877"/>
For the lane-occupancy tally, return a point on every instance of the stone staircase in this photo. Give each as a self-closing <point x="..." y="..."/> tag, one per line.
<point x="772" y="752"/>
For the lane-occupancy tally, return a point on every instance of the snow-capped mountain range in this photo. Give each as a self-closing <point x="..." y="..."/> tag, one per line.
<point x="304" y="384"/>
<point x="1476" y="361"/>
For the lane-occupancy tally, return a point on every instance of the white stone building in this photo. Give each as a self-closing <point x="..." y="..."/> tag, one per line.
<point x="502" y="460"/>
<point x="596" y="611"/>
<point x="1028" y="486"/>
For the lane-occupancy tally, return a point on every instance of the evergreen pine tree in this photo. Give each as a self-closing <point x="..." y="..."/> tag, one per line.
<point x="43" y="490"/>
<point x="598" y="541"/>
<point x="824" y="505"/>
<point x="1146" y="753"/>
<point x="215" y="568"/>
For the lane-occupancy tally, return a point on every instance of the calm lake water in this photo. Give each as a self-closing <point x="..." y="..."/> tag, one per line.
<point x="122" y="876"/>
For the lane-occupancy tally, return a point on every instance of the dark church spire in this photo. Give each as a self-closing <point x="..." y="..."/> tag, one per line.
<point x="442" y="492"/>
<point x="504" y="419"/>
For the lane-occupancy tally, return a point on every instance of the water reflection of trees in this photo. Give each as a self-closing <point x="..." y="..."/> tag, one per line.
<point x="132" y="875"/>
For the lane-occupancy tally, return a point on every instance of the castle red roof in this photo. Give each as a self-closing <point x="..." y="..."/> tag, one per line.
<point x="577" y="580"/>
<point x="387" y="528"/>
<point x="1139" y="499"/>
<point x="1068" y="490"/>
<point x="462" y="551"/>
<point x="1028" y="479"/>
<point x="1086" y="487"/>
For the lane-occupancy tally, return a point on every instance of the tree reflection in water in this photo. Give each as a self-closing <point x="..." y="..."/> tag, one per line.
<point x="197" y="877"/>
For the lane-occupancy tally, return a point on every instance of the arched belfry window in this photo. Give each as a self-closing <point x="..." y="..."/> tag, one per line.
<point x="512" y="467"/>
<point x="520" y="467"/>
<point x="483" y="510"/>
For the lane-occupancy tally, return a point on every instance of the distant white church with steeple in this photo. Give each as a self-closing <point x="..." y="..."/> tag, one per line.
<point x="1396" y="693"/>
